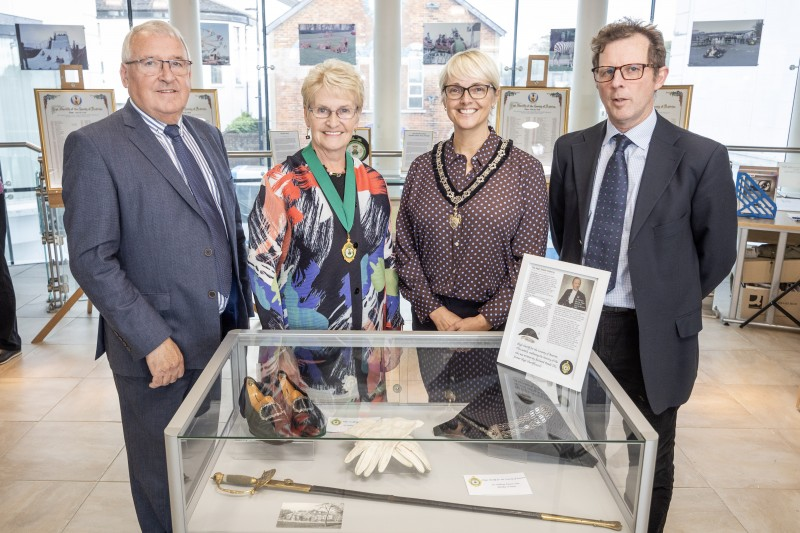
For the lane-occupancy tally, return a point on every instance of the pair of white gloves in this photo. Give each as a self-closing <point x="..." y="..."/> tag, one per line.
<point x="378" y="453"/>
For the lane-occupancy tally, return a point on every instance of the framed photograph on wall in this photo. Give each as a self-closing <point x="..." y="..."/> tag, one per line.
<point x="533" y="118"/>
<point x="203" y="104"/>
<point x="60" y="112"/>
<point x="674" y="102"/>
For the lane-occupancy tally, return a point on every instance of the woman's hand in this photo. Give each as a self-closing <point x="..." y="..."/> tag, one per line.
<point x="475" y="323"/>
<point x="444" y="319"/>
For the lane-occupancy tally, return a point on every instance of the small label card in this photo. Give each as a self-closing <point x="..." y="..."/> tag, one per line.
<point x="342" y="424"/>
<point x="515" y="484"/>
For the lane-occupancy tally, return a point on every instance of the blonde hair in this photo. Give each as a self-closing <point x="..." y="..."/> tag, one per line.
<point x="470" y="64"/>
<point x="151" y="27"/>
<point x="336" y="76"/>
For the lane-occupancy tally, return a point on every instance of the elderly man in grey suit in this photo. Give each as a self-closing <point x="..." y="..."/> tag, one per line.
<point x="156" y="242"/>
<point x="656" y="207"/>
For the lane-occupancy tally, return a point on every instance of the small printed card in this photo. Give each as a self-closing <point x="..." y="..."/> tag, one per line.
<point x="515" y="484"/>
<point x="341" y="424"/>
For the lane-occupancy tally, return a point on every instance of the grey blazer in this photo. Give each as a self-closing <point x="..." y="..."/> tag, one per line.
<point x="682" y="242"/>
<point x="138" y="244"/>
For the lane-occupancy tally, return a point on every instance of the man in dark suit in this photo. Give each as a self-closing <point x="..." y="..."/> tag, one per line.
<point x="677" y="239"/>
<point x="573" y="297"/>
<point x="156" y="242"/>
<point x="10" y="342"/>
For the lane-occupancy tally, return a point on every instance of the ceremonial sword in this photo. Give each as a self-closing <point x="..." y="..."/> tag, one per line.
<point x="266" y="482"/>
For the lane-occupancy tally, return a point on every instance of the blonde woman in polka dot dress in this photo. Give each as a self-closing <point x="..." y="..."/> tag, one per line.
<point x="470" y="209"/>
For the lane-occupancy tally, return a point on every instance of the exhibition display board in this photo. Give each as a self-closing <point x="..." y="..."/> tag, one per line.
<point x="413" y="431"/>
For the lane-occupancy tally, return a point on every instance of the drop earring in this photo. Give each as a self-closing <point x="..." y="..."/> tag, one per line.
<point x="308" y="133"/>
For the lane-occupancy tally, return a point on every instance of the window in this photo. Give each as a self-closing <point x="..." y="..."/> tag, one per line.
<point x="414" y="99"/>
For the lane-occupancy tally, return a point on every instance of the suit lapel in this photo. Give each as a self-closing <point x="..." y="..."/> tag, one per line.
<point x="141" y="136"/>
<point x="662" y="161"/>
<point x="584" y="159"/>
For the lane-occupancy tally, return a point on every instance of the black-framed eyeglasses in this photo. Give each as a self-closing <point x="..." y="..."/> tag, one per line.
<point x="477" y="92"/>
<point x="631" y="71"/>
<point x="151" y="66"/>
<point x="344" y="113"/>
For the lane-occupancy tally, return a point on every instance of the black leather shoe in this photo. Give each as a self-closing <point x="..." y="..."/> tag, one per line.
<point x="8" y="355"/>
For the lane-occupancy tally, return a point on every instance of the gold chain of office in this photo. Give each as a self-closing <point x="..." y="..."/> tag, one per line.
<point x="455" y="218"/>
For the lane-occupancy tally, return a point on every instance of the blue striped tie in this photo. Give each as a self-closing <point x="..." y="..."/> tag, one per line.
<point x="208" y="208"/>
<point x="609" y="213"/>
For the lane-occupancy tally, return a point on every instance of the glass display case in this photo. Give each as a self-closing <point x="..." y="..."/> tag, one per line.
<point x="401" y="431"/>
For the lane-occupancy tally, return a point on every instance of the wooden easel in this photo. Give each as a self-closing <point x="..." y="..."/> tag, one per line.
<point x="54" y="199"/>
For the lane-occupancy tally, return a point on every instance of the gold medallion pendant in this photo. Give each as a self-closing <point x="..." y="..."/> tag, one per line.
<point x="348" y="251"/>
<point x="455" y="218"/>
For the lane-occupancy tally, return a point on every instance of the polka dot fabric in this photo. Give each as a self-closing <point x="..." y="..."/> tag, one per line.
<point x="480" y="259"/>
<point x="609" y="216"/>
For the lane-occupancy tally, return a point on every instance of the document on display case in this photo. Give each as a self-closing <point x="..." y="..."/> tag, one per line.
<point x="283" y="144"/>
<point x="553" y="320"/>
<point x="415" y="143"/>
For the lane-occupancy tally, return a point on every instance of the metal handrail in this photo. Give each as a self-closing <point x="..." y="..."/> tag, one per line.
<point x="21" y="145"/>
<point x="773" y="149"/>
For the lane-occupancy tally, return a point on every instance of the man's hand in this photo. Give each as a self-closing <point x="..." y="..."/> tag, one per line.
<point x="475" y="323"/>
<point x="165" y="364"/>
<point x="444" y="319"/>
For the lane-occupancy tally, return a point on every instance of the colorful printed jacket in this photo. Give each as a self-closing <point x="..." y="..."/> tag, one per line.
<point x="298" y="275"/>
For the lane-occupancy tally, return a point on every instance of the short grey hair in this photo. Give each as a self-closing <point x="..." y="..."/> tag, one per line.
<point x="151" y="27"/>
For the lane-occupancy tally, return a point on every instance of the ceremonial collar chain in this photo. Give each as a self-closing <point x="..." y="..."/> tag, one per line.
<point x="534" y="418"/>
<point x="446" y="187"/>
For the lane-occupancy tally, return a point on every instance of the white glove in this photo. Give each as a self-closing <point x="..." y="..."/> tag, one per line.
<point x="378" y="453"/>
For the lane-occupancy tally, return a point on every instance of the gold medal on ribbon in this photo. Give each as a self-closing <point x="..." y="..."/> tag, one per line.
<point x="348" y="251"/>
<point x="455" y="218"/>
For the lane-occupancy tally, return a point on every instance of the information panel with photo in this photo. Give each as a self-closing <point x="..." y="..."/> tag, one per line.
<point x="553" y="320"/>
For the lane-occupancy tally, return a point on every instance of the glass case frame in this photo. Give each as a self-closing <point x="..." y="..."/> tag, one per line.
<point x="208" y="435"/>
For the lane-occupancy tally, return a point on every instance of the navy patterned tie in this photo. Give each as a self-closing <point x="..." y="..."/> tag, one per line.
<point x="609" y="213"/>
<point x="208" y="208"/>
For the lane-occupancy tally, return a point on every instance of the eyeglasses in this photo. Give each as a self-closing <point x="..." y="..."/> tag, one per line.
<point x="151" y="66"/>
<point x="632" y="71"/>
<point x="344" y="113"/>
<point x="478" y="92"/>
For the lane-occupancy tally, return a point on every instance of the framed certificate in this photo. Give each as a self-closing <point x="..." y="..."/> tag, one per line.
<point x="203" y="104"/>
<point x="533" y="118"/>
<point x="674" y="102"/>
<point x="60" y="112"/>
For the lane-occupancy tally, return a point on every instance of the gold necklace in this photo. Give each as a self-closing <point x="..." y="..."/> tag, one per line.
<point x="457" y="199"/>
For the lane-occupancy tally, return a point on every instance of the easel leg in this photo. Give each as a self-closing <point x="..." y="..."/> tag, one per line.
<point x="58" y="316"/>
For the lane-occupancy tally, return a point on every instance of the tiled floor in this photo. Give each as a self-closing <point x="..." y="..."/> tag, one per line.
<point x="62" y="459"/>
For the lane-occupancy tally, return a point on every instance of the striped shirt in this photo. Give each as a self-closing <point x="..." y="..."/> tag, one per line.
<point x="635" y="156"/>
<point x="157" y="127"/>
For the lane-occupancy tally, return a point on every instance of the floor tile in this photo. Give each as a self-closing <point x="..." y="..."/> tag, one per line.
<point x="711" y="406"/>
<point x="720" y="337"/>
<point x="109" y="507"/>
<point x="700" y="510"/>
<point x="93" y="400"/>
<point x="772" y="405"/>
<point x="686" y="474"/>
<point x="31" y="399"/>
<point x="10" y="433"/>
<point x="54" y="361"/>
<point x="118" y="471"/>
<point x="77" y="451"/>
<point x="746" y="367"/>
<point x="81" y="330"/>
<point x="40" y="506"/>
<point x="770" y="339"/>
<point x="741" y="458"/>
<point x="776" y="511"/>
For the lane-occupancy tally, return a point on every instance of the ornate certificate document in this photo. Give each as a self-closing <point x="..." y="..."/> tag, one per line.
<point x="533" y="118"/>
<point x="673" y="102"/>
<point x="202" y="104"/>
<point x="60" y="112"/>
